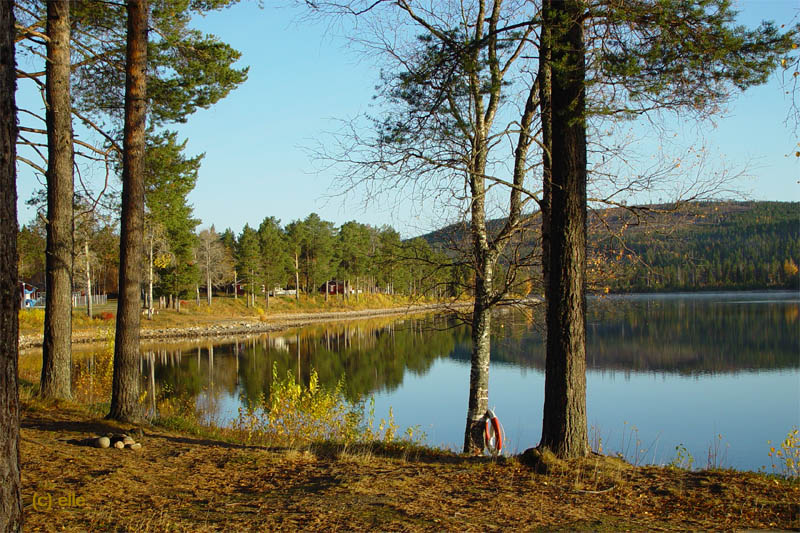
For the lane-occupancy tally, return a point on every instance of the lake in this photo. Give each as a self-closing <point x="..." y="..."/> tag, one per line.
<point x="716" y="374"/>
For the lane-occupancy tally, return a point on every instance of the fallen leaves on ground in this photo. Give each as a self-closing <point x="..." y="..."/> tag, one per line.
<point x="185" y="483"/>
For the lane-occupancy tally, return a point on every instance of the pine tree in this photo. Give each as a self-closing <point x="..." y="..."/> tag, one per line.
<point x="125" y="383"/>
<point x="274" y="256"/>
<point x="11" y="517"/>
<point x="248" y="260"/>
<point x="169" y="178"/>
<point x="56" y="379"/>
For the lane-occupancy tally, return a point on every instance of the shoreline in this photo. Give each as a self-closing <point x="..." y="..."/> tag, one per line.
<point x="247" y="325"/>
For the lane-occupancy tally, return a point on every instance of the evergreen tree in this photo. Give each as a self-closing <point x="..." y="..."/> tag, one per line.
<point x="169" y="178"/>
<point x="11" y="516"/>
<point x="353" y="251"/>
<point x="31" y="243"/>
<point x="274" y="257"/>
<point x="125" y="383"/>
<point x="187" y="69"/>
<point x="295" y="233"/>
<point x="56" y="375"/>
<point x="317" y="250"/>
<point x="248" y="260"/>
<point x="689" y="58"/>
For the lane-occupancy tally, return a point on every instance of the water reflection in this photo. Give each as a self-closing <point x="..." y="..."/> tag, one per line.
<point x="716" y="363"/>
<point x="687" y="334"/>
<point x="690" y="334"/>
<point x="366" y="356"/>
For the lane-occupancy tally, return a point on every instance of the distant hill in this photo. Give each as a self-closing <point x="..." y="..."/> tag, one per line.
<point x="704" y="246"/>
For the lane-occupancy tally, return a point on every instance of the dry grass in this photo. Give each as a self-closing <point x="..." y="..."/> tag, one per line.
<point x="224" y="310"/>
<point x="180" y="482"/>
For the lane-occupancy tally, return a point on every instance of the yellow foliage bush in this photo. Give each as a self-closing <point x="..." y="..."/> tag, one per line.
<point x="293" y="414"/>
<point x="786" y="458"/>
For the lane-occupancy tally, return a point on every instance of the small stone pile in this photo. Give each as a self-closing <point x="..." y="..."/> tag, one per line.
<point x="119" y="441"/>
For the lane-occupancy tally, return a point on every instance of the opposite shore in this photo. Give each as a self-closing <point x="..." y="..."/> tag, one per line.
<point x="227" y="318"/>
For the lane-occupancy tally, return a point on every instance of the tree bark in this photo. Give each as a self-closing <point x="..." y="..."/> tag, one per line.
<point x="296" y="278"/>
<point x="150" y="281"/>
<point x="88" y="281"/>
<point x="564" y="424"/>
<point x="252" y="299"/>
<point x="57" y="344"/>
<point x="479" y="366"/>
<point x="478" y="401"/>
<point x="546" y="106"/>
<point x="125" y="386"/>
<point x="208" y="276"/>
<point x="11" y="518"/>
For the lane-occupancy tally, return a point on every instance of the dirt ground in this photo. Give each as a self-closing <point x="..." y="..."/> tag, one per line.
<point x="185" y="483"/>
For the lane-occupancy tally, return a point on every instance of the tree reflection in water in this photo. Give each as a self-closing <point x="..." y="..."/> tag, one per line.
<point x="706" y="334"/>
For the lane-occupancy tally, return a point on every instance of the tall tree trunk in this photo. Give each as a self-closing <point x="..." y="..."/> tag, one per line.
<point x="150" y="282"/>
<point x="125" y="386"/>
<point x="10" y="485"/>
<point x="57" y="344"/>
<point x="208" y="277"/>
<point x="235" y="287"/>
<point x="481" y="315"/>
<point x="479" y="366"/>
<point x="88" y="281"/>
<point x="546" y="106"/>
<point x="266" y="294"/>
<point x="564" y="424"/>
<point x="296" y="278"/>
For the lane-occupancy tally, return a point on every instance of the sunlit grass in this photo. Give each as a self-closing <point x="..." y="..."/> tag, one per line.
<point x="224" y="308"/>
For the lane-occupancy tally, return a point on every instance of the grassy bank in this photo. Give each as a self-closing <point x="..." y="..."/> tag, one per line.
<point x="193" y="478"/>
<point x="282" y="312"/>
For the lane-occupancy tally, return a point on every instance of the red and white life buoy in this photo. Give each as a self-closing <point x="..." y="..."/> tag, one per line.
<point x="494" y="433"/>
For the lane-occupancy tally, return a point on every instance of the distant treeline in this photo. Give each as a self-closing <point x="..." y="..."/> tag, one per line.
<point x="718" y="246"/>
<point x="696" y="246"/>
<point x="311" y="255"/>
<point x="704" y="246"/>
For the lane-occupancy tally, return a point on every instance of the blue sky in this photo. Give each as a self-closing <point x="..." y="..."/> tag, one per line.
<point x="303" y="77"/>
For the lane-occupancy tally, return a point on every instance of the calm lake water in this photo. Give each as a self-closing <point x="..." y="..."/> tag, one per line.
<point x="663" y="371"/>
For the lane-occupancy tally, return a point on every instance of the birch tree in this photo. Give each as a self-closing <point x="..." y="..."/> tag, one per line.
<point x="472" y="104"/>
<point x="215" y="261"/>
<point x="453" y="131"/>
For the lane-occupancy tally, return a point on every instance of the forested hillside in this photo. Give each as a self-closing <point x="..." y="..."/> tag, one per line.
<point x="703" y="246"/>
<point x="729" y="245"/>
